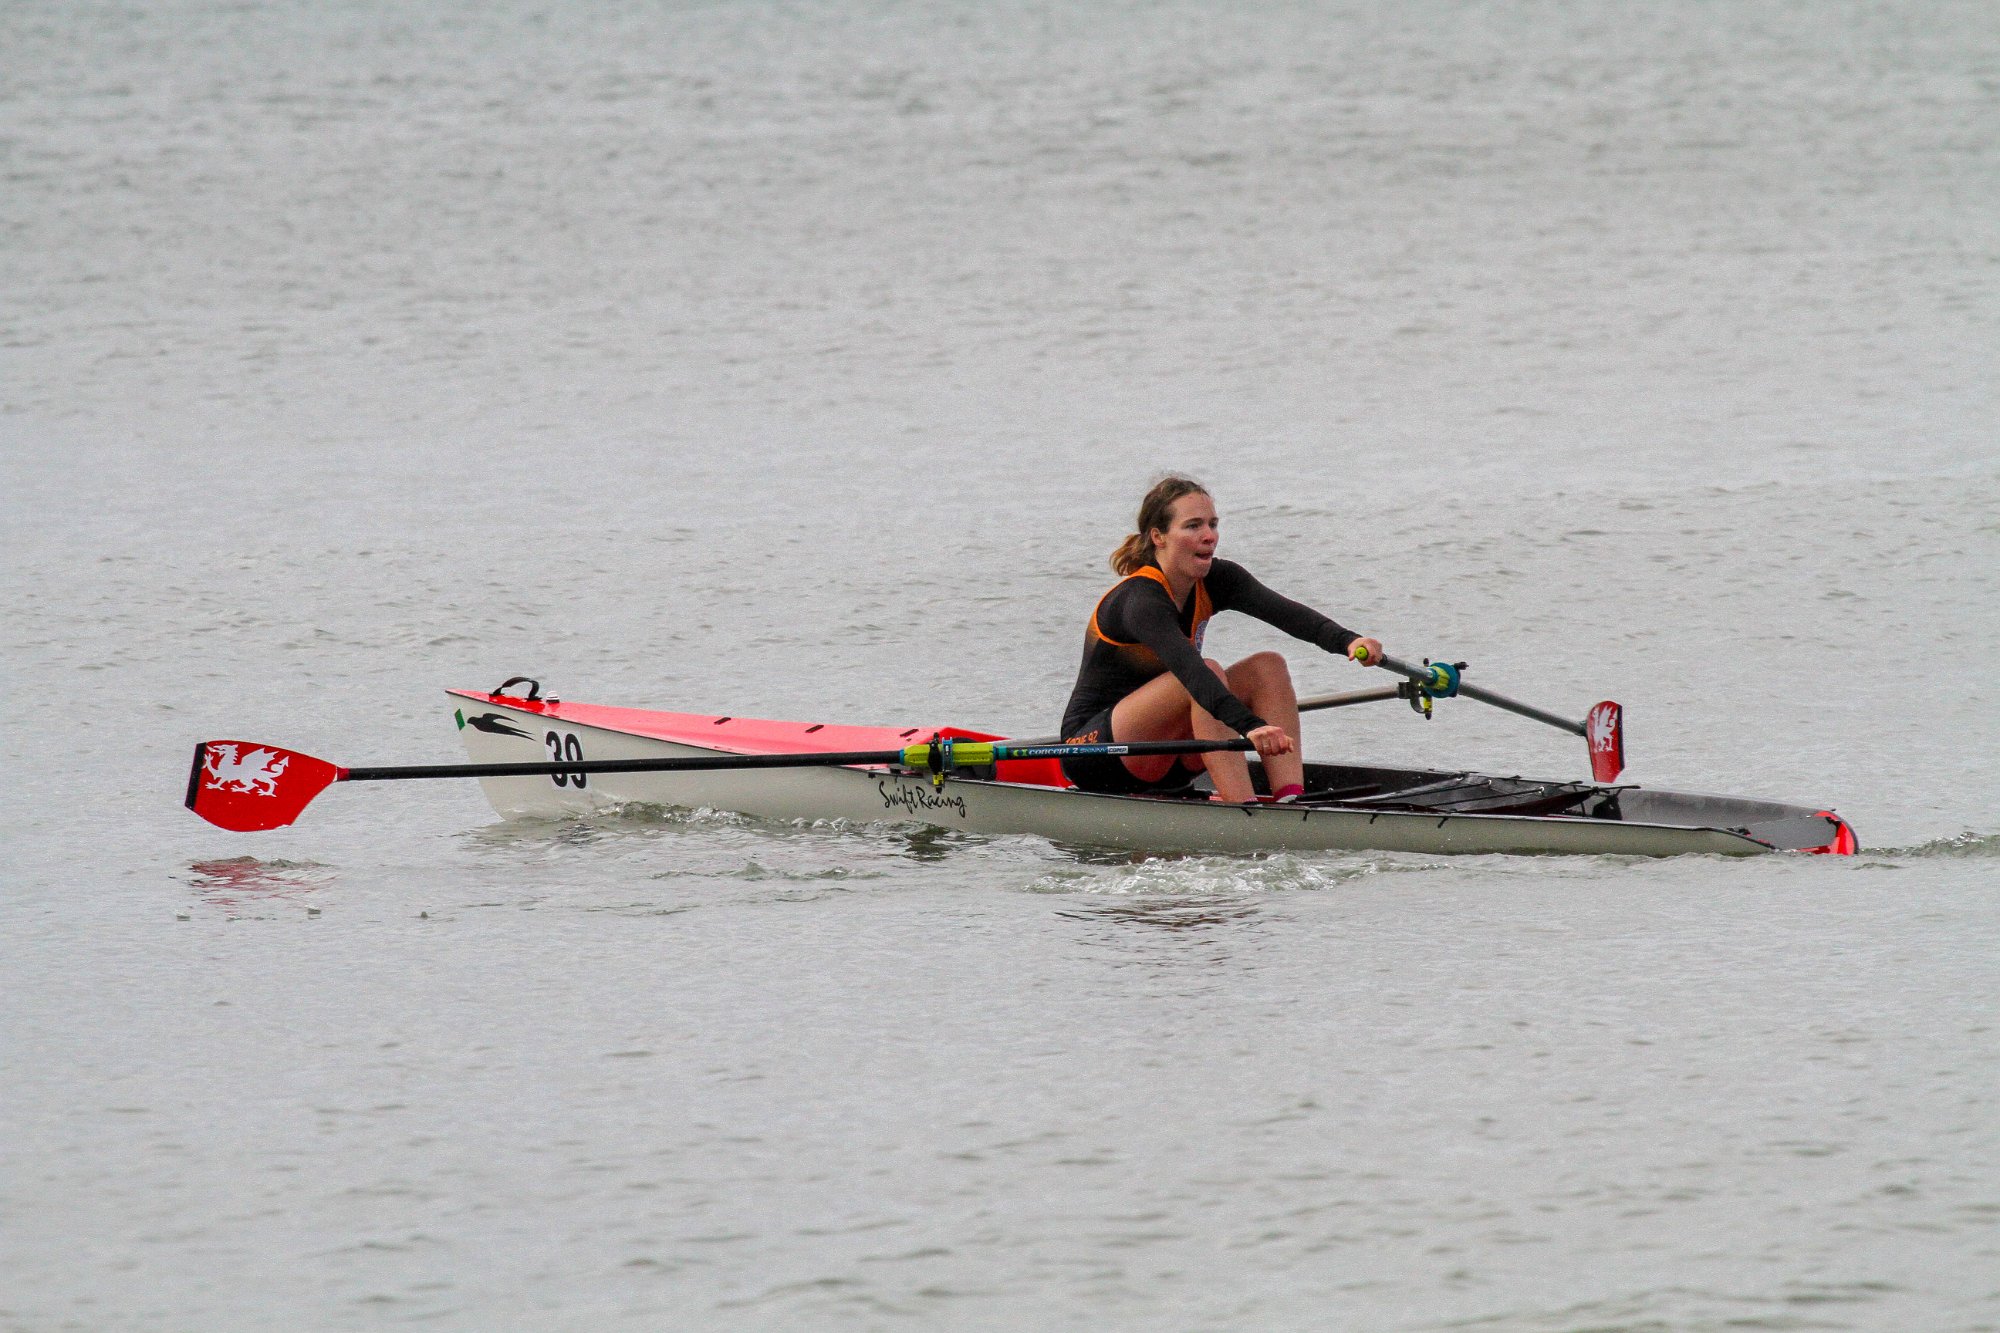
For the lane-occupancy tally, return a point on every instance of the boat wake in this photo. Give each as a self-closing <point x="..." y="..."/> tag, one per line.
<point x="756" y="870"/>
<point x="635" y="819"/>
<point x="639" y="814"/>
<point x="1965" y="846"/>
<point x="1215" y="876"/>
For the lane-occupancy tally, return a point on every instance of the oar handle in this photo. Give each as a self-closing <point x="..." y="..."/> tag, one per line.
<point x="1426" y="676"/>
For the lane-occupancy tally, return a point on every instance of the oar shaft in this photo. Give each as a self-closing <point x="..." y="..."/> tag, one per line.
<point x="963" y="754"/>
<point x="1005" y="750"/>
<point x="692" y="764"/>
<point x="1515" y="706"/>
<point x="1422" y="676"/>
<point x="246" y="786"/>
<point x="1319" y="701"/>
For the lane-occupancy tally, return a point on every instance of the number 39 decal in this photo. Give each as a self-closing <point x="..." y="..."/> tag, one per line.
<point x="563" y="747"/>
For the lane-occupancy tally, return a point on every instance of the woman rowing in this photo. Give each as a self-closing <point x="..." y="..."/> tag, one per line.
<point x="1143" y="676"/>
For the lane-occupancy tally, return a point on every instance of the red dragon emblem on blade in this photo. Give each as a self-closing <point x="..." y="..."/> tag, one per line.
<point x="1604" y="729"/>
<point x="254" y="772"/>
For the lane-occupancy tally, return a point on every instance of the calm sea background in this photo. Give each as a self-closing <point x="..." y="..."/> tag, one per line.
<point x="807" y="360"/>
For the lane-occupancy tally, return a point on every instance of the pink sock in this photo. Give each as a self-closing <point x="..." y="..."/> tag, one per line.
<point x="1291" y="791"/>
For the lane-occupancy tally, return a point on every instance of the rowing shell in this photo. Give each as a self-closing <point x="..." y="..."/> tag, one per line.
<point x="1348" y="807"/>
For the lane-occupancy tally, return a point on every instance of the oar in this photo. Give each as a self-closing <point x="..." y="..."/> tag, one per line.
<point x="1319" y="701"/>
<point x="1603" y="727"/>
<point x="244" y="786"/>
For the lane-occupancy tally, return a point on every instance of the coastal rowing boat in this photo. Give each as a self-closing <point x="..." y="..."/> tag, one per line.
<point x="1347" y="807"/>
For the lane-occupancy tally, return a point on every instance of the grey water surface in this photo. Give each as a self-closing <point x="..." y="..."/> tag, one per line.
<point x="807" y="360"/>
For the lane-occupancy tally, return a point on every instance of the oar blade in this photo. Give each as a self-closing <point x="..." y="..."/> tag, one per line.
<point x="1604" y="728"/>
<point x="246" y="787"/>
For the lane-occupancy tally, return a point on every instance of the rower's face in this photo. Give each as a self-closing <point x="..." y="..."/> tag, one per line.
<point x="1187" y="544"/>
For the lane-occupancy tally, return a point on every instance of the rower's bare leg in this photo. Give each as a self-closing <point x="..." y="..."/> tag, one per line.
<point x="1229" y="770"/>
<point x="1156" y="711"/>
<point x="1264" y="682"/>
<point x="1163" y="710"/>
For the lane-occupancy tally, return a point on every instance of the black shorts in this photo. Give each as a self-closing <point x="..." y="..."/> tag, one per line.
<point x="1107" y="772"/>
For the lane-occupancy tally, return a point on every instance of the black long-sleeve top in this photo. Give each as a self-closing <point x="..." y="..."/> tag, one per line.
<point x="1137" y="633"/>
